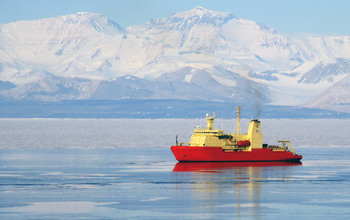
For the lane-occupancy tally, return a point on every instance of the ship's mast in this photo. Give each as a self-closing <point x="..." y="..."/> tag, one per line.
<point x="238" y="108"/>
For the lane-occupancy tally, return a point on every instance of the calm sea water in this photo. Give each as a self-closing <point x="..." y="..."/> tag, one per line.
<point x="124" y="169"/>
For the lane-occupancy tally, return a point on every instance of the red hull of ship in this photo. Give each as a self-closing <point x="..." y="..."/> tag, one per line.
<point x="216" y="154"/>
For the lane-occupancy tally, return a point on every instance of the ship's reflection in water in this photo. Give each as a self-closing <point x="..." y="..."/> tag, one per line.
<point x="243" y="187"/>
<point x="220" y="166"/>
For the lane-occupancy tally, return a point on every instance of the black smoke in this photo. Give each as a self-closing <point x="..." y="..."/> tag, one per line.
<point x="256" y="92"/>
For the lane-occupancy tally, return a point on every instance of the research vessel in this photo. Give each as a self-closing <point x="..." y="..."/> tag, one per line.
<point x="213" y="145"/>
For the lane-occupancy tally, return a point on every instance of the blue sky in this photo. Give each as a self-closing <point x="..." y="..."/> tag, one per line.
<point x="289" y="16"/>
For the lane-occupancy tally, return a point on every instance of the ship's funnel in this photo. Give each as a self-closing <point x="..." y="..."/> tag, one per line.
<point x="254" y="134"/>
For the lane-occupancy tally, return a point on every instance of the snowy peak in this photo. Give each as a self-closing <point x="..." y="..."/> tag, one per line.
<point x="197" y="11"/>
<point x="202" y="15"/>
<point x="325" y="71"/>
<point x="185" y="21"/>
<point x="99" y="22"/>
<point x="201" y="31"/>
<point x="73" y="25"/>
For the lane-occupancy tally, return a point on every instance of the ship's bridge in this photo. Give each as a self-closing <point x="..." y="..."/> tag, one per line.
<point x="207" y="136"/>
<point x="209" y="129"/>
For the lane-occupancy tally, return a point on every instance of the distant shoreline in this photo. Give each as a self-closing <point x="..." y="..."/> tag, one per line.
<point x="153" y="109"/>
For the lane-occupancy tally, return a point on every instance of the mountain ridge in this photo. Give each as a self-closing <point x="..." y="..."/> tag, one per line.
<point x="210" y="55"/>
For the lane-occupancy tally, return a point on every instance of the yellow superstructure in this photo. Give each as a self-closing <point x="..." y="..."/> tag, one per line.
<point x="210" y="137"/>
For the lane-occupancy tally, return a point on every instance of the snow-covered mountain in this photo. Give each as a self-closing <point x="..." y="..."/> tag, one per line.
<point x="197" y="54"/>
<point x="336" y="97"/>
